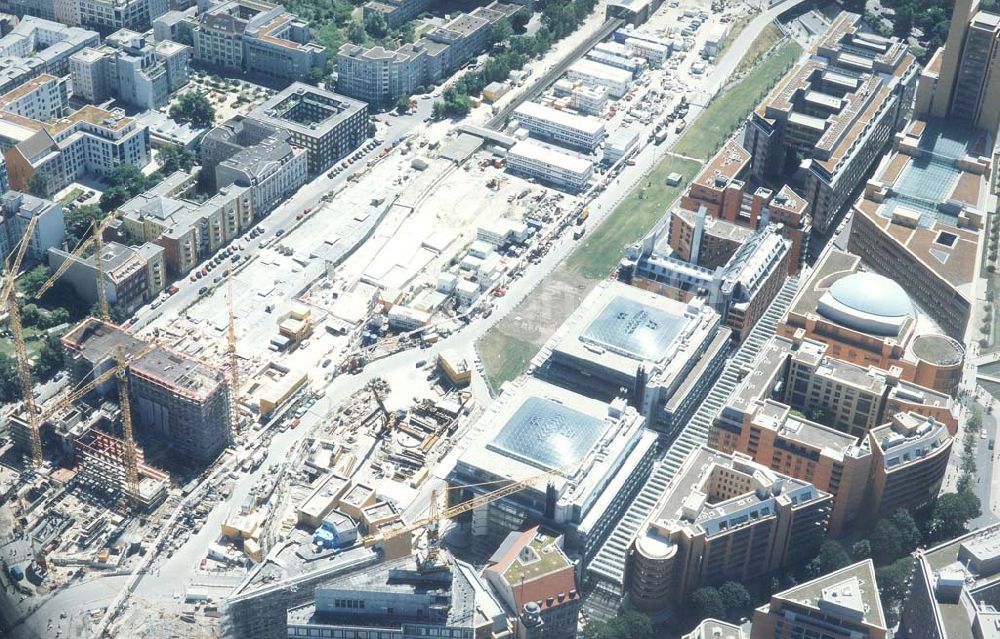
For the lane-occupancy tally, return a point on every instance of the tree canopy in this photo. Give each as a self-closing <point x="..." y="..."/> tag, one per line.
<point x="194" y="108"/>
<point x="38" y="185"/>
<point x="707" y="602"/>
<point x="951" y="515"/>
<point x="30" y="282"/>
<point x="125" y="182"/>
<point x="78" y="222"/>
<point x="10" y="390"/>
<point x="831" y="557"/>
<point x="174" y="157"/>
<point x="631" y="625"/>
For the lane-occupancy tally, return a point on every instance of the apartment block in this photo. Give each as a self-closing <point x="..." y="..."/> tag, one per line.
<point x="766" y="418"/>
<point x="16" y="212"/>
<point x="36" y="46"/>
<point x="855" y="399"/>
<point x="250" y="154"/>
<point x="536" y="582"/>
<point x="174" y="398"/>
<point x="715" y="629"/>
<point x="177" y="26"/>
<point x="567" y="129"/>
<point x="133" y="276"/>
<point x="953" y="589"/>
<point x="829" y="120"/>
<point x="256" y="37"/>
<point x="108" y="16"/>
<point x="131" y="69"/>
<point x="722" y="517"/>
<point x="961" y="82"/>
<point x="844" y="604"/>
<point x="188" y="232"/>
<point x="910" y="459"/>
<point x="182" y="402"/>
<point x="704" y="240"/>
<point x="379" y="76"/>
<point x="92" y="347"/>
<point x="44" y="9"/>
<point x="546" y="165"/>
<point x="43" y="98"/>
<point x="327" y="125"/>
<point x="870" y="320"/>
<point x="728" y="191"/>
<point x="396" y="12"/>
<point x="920" y="217"/>
<point x="740" y="290"/>
<point x="90" y="141"/>
<point x="756" y="422"/>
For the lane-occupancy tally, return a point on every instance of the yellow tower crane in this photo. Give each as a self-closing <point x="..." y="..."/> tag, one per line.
<point x="96" y="239"/>
<point x="9" y="296"/>
<point x="234" y="362"/>
<point x="433" y="521"/>
<point x="131" y="462"/>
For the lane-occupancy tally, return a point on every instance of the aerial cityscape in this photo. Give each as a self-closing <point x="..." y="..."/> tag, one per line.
<point x="499" y="319"/>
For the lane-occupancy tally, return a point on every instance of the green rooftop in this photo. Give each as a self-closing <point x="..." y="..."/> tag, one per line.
<point x="547" y="562"/>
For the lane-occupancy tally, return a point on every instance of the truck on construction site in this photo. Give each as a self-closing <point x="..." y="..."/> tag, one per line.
<point x="257" y="459"/>
<point x="660" y="136"/>
<point x="582" y="217"/>
<point x="578" y="233"/>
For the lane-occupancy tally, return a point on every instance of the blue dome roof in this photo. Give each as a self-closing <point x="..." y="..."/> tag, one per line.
<point x="872" y="294"/>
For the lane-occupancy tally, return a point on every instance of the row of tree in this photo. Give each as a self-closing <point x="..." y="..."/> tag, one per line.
<point x="931" y="17"/>
<point x="559" y="19"/>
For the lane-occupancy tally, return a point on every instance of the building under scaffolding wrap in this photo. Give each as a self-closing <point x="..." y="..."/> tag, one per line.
<point x="101" y="460"/>
<point x="184" y="401"/>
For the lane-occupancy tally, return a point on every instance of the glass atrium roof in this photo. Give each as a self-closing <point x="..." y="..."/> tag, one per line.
<point x="929" y="180"/>
<point x="547" y="435"/>
<point x="633" y="329"/>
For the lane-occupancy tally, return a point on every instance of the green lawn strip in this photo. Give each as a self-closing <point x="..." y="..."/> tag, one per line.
<point x="504" y="357"/>
<point x="71" y="196"/>
<point x="716" y="123"/>
<point x="601" y="251"/>
<point x="33" y="345"/>
<point x="763" y="43"/>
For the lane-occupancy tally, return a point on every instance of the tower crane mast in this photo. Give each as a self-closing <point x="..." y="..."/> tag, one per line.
<point x="9" y="296"/>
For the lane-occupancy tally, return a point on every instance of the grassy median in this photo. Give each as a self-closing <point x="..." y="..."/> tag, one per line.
<point x="727" y="112"/>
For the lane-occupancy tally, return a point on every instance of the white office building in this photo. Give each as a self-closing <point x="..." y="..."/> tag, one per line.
<point x="560" y="169"/>
<point x="654" y="53"/>
<point x="593" y="73"/>
<point x="17" y="210"/>
<point x="568" y="129"/>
